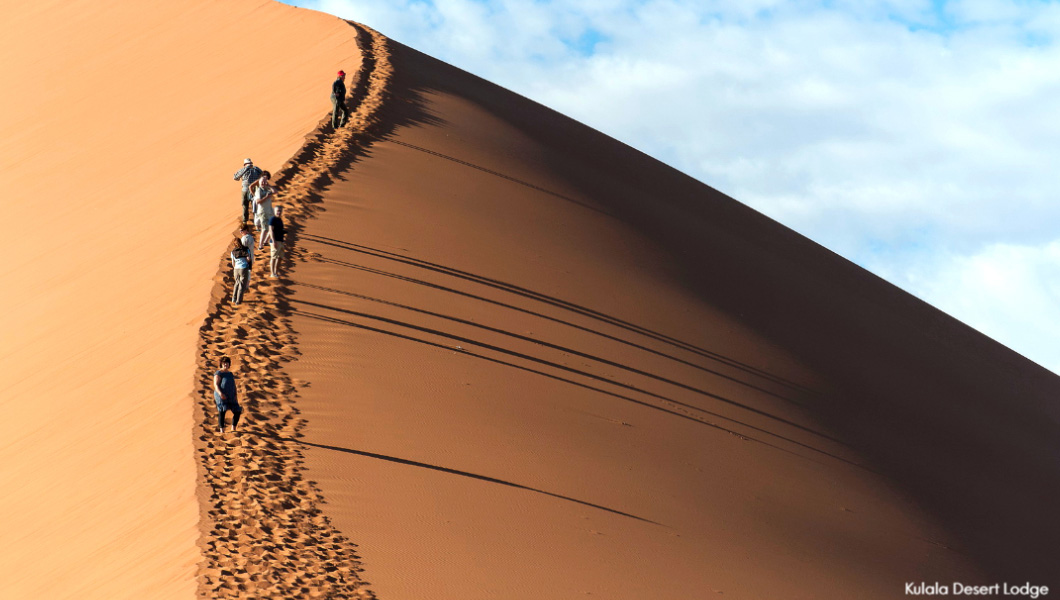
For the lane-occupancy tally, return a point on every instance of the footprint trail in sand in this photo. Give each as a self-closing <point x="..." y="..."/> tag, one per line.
<point x="263" y="533"/>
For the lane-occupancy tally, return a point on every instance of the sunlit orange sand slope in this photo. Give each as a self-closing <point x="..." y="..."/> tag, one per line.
<point x="121" y="123"/>
<point x="538" y="364"/>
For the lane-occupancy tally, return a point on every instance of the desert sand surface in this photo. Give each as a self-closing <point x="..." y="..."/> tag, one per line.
<point x="121" y="124"/>
<point x="528" y="361"/>
<point x="508" y="357"/>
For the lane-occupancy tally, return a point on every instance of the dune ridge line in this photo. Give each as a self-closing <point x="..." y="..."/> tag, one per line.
<point x="262" y="532"/>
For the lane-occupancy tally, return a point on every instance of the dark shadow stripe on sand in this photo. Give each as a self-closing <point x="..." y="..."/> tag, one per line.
<point x="555" y="377"/>
<point x="562" y="367"/>
<point x="541" y="342"/>
<point x="564" y="304"/>
<point x="412" y="463"/>
<point x="502" y="176"/>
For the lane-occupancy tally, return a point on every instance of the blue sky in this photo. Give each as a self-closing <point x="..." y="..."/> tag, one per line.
<point x="915" y="137"/>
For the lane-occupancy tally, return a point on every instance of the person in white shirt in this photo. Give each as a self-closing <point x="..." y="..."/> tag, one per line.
<point x="263" y="194"/>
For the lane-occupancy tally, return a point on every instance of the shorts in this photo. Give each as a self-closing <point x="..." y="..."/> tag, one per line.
<point x="277" y="250"/>
<point x="261" y="220"/>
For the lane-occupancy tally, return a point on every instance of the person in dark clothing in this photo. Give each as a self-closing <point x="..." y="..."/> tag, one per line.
<point x="224" y="395"/>
<point x="275" y="236"/>
<point x="247" y="238"/>
<point x="338" y="101"/>
<point x="249" y="174"/>
<point x="241" y="257"/>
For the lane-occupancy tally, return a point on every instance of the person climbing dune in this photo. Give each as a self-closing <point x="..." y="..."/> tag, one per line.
<point x="262" y="194"/>
<point x="224" y="394"/>
<point x="248" y="174"/>
<point x="241" y="257"/>
<point x="247" y="238"/>
<point x="275" y="237"/>
<point x="338" y="101"/>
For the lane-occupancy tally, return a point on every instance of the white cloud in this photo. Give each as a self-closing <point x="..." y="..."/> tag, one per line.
<point x="914" y="137"/>
<point x="988" y="11"/>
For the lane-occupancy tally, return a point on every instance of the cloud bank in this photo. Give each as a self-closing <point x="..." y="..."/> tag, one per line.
<point x="915" y="138"/>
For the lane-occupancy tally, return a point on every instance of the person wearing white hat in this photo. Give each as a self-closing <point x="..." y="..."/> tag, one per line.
<point x="248" y="174"/>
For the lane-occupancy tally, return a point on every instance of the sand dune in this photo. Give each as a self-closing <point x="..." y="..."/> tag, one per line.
<point x="533" y="362"/>
<point x="120" y="127"/>
<point x="509" y="356"/>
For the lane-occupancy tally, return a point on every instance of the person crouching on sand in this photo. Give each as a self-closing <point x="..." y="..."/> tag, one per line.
<point x="263" y="194"/>
<point x="224" y="394"/>
<point x="240" y="271"/>
<point x="275" y="236"/>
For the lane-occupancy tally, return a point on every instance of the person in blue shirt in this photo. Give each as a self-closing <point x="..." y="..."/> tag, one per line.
<point x="224" y="394"/>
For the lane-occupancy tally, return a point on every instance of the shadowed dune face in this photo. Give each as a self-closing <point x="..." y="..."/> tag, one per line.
<point x="536" y="363"/>
<point x="121" y="124"/>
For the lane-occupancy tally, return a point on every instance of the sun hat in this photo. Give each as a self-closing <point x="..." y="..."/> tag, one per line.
<point x="342" y="73"/>
<point x="247" y="161"/>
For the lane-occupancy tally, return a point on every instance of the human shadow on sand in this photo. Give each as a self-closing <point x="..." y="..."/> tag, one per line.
<point x="676" y="411"/>
<point x="568" y="306"/>
<point x="413" y="463"/>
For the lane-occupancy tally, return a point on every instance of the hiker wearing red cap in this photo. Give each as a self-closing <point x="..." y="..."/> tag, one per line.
<point x="338" y="101"/>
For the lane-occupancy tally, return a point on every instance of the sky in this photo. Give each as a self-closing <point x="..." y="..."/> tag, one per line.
<point x="917" y="138"/>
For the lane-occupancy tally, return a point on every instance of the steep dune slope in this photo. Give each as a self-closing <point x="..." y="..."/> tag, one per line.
<point x="536" y="363"/>
<point x="121" y="124"/>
